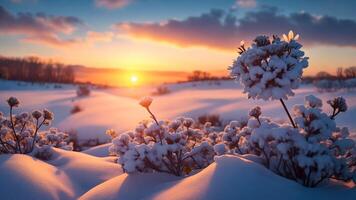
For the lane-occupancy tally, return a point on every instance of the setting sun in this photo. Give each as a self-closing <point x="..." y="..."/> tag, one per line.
<point x="179" y="99"/>
<point x="133" y="79"/>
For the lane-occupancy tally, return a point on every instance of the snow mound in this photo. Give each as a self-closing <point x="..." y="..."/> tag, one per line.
<point x="67" y="176"/>
<point x="24" y="177"/>
<point x="99" y="151"/>
<point x="230" y="177"/>
<point x="128" y="187"/>
<point x="85" y="170"/>
<point x="233" y="177"/>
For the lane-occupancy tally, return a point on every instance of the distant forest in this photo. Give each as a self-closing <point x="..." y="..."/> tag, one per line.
<point x="33" y="69"/>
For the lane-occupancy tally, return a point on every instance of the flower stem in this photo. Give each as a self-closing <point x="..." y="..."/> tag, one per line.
<point x="153" y="116"/>
<point x="17" y="140"/>
<point x="286" y="109"/>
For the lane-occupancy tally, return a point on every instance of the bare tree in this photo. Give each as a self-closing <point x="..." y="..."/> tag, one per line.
<point x="350" y="72"/>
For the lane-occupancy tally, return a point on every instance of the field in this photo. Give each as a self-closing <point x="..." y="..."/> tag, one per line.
<point x="92" y="174"/>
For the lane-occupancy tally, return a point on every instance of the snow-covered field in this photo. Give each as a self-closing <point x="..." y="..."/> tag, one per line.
<point x="93" y="175"/>
<point x="117" y="108"/>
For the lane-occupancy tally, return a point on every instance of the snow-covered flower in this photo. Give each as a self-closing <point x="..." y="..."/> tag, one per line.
<point x="313" y="102"/>
<point x="22" y="133"/>
<point x="270" y="69"/>
<point x="255" y="112"/>
<point x="47" y="115"/>
<point x="36" y="114"/>
<point x="338" y="103"/>
<point x="146" y="102"/>
<point x="188" y="122"/>
<point x="13" y="102"/>
<point x="171" y="147"/>
<point x="311" y="153"/>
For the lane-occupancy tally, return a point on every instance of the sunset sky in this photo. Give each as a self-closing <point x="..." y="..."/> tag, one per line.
<point x="169" y="35"/>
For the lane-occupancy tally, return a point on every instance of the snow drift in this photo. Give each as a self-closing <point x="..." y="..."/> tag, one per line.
<point x="67" y="176"/>
<point x="230" y="177"/>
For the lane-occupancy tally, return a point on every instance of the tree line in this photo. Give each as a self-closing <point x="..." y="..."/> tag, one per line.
<point x="33" y="69"/>
<point x="198" y="75"/>
<point x="341" y="74"/>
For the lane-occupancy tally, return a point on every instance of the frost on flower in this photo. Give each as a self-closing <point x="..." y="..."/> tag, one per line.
<point x="19" y="133"/>
<point x="338" y="104"/>
<point x="311" y="153"/>
<point x="173" y="147"/>
<point x="270" y="69"/>
<point x="146" y="102"/>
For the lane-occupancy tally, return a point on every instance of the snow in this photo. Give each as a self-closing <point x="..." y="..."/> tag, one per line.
<point x="91" y="174"/>
<point x="128" y="187"/>
<point x="20" y="179"/>
<point x="85" y="170"/>
<point x="105" y="109"/>
<point x="67" y="176"/>
<point x="230" y="177"/>
<point x="99" y="151"/>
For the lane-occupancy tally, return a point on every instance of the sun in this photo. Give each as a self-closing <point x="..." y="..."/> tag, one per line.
<point x="133" y="79"/>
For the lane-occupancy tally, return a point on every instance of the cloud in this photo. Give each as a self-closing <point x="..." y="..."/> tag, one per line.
<point x="222" y="30"/>
<point x="93" y="37"/>
<point x="214" y="29"/>
<point x="112" y="4"/>
<point x="246" y="3"/>
<point x="23" y="1"/>
<point x="39" y="28"/>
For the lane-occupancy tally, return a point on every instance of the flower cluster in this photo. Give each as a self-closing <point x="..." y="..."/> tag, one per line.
<point x="313" y="152"/>
<point x="21" y="133"/>
<point x="173" y="147"/>
<point x="270" y="69"/>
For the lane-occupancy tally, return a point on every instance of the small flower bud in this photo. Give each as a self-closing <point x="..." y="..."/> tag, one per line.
<point x="47" y="115"/>
<point x="174" y="125"/>
<point x="146" y="102"/>
<point x="13" y="102"/>
<point x="255" y="112"/>
<point x="262" y="40"/>
<point x="338" y="103"/>
<point x="36" y="114"/>
<point x="24" y="115"/>
<point x="188" y="122"/>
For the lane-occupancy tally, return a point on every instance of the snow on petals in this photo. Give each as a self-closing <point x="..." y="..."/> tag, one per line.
<point x="146" y="102"/>
<point x="270" y="69"/>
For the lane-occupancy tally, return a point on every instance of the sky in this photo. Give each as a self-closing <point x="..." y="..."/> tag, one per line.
<point x="168" y="35"/>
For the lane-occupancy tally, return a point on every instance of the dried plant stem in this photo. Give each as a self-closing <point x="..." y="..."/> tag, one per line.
<point x="289" y="116"/>
<point x="14" y="132"/>
<point x="153" y="116"/>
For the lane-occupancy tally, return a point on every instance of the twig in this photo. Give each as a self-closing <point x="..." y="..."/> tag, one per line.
<point x="290" y="117"/>
<point x="14" y="132"/>
<point x="35" y="135"/>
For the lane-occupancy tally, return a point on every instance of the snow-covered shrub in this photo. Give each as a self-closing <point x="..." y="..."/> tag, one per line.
<point x="313" y="152"/>
<point x="76" y="109"/>
<point x="83" y="90"/>
<point x="21" y="133"/>
<point x="173" y="147"/>
<point x="51" y="138"/>
<point x="310" y="151"/>
<point x="161" y="90"/>
<point x="214" y="119"/>
<point x="270" y="69"/>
